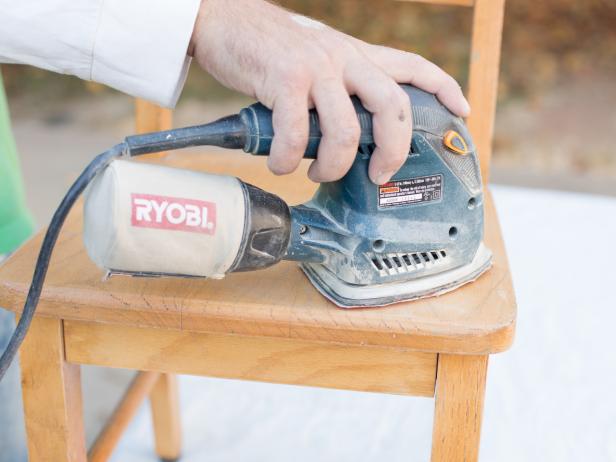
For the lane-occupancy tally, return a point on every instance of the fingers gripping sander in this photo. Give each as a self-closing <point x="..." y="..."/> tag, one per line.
<point x="359" y="244"/>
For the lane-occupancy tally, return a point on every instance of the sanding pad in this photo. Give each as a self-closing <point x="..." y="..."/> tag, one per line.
<point x="347" y="295"/>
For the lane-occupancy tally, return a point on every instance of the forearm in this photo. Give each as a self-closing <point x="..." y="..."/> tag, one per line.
<point x="224" y="53"/>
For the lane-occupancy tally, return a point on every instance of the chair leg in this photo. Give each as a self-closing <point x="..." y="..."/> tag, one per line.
<point x="460" y="388"/>
<point x="165" y="406"/>
<point x="52" y="395"/>
<point x="137" y="392"/>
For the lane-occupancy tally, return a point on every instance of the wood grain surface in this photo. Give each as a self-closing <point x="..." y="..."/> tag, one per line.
<point x="165" y="406"/>
<point x="51" y="390"/>
<point x="266" y="359"/>
<point x="458" y="411"/>
<point x="483" y="76"/>
<point x="276" y="302"/>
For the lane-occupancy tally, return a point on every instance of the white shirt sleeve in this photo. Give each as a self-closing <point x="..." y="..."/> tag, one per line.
<point x="136" y="46"/>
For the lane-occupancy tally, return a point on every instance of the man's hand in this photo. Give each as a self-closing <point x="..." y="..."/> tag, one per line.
<point x="291" y="63"/>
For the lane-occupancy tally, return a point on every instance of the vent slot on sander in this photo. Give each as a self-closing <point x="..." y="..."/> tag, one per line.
<point x="397" y="263"/>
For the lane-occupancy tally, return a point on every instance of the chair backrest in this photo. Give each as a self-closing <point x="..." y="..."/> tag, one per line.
<point x="152" y="118"/>
<point x="483" y="71"/>
<point x="482" y="86"/>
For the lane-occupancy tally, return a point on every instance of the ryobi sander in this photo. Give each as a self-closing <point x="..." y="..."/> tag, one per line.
<point x="358" y="243"/>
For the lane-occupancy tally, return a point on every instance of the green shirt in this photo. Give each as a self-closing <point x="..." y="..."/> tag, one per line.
<point x="16" y="223"/>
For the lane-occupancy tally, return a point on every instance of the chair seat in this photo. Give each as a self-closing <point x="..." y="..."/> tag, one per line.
<point x="478" y="318"/>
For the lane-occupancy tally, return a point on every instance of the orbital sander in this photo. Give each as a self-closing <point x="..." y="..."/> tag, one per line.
<point x="359" y="244"/>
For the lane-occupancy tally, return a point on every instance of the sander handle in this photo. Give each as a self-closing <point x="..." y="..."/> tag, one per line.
<point x="251" y="130"/>
<point x="260" y="131"/>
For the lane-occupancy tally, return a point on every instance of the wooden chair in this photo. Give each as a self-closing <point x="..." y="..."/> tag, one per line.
<point x="270" y="325"/>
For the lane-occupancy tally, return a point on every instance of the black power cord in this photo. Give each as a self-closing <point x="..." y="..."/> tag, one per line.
<point x="97" y="165"/>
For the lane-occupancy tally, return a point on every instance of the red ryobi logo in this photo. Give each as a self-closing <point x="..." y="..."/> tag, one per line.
<point x="162" y="212"/>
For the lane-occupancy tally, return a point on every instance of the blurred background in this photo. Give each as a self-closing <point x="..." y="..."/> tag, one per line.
<point x="556" y="96"/>
<point x="554" y="172"/>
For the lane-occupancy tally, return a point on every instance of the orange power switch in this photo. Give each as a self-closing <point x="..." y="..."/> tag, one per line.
<point x="455" y="143"/>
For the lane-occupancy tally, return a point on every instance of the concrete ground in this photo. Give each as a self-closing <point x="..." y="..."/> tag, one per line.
<point x="549" y="398"/>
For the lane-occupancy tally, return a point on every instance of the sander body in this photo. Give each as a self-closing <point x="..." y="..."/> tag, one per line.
<point x="360" y="244"/>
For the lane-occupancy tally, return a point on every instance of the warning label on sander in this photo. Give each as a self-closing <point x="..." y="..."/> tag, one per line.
<point x="411" y="191"/>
